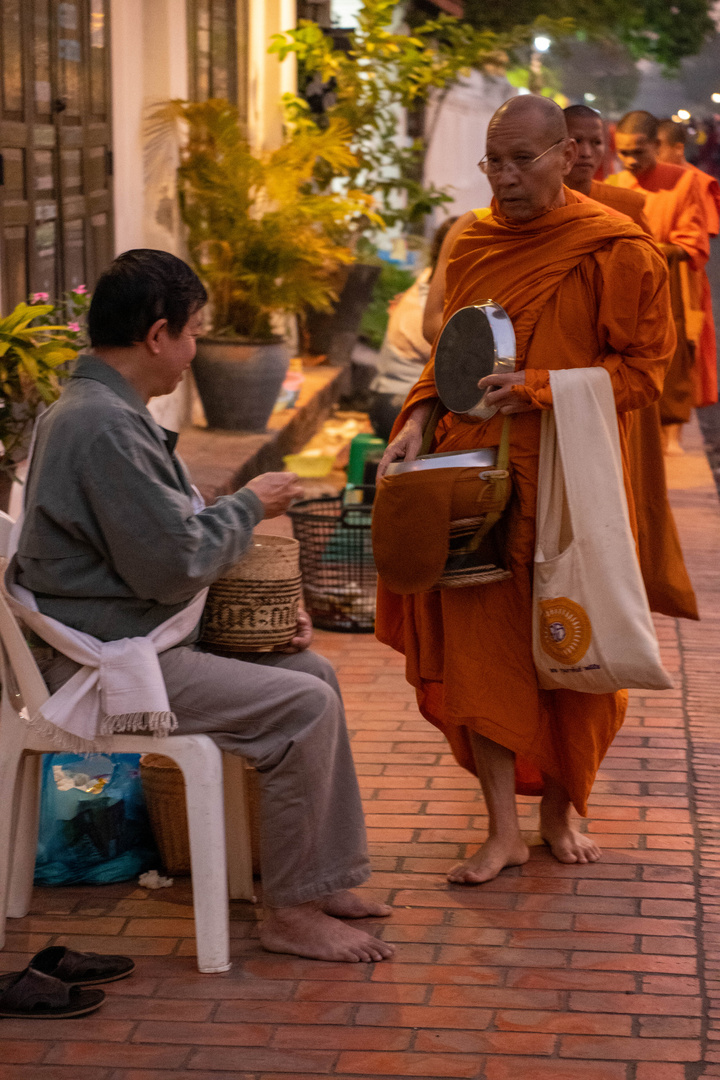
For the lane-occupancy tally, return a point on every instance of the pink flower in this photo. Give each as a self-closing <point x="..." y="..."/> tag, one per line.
<point x="81" y="290"/>
<point x="74" y="326"/>
<point x="39" y="298"/>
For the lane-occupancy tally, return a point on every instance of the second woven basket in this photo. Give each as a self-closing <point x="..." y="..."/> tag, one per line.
<point x="254" y="607"/>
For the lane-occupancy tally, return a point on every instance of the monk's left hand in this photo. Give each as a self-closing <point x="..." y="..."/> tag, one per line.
<point x="303" y="636"/>
<point x="502" y="395"/>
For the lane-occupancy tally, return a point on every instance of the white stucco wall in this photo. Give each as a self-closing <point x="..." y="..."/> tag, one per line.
<point x="149" y="66"/>
<point x="456" y="126"/>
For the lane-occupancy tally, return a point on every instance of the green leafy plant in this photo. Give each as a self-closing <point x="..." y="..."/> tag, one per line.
<point x="261" y="235"/>
<point x="382" y="71"/>
<point x="33" y="361"/>
<point x="71" y="311"/>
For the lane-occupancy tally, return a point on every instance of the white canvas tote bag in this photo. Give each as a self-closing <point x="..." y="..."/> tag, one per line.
<point x="592" y="628"/>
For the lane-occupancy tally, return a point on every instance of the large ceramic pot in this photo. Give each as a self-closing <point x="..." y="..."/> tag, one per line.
<point x="239" y="380"/>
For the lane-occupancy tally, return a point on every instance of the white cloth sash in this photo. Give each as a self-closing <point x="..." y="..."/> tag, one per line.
<point x="119" y="687"/>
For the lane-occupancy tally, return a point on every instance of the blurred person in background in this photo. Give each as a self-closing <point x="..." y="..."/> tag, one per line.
<point x="675" y="210"/>
<point x="404" y="351"/>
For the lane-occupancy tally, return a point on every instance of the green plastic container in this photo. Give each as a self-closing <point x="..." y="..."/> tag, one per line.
<point x="360" y="447"/>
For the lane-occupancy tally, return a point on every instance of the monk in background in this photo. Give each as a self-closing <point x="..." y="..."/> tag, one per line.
<point x="673" y="140"/>
<point x="665" y="576"/>
<point x="674" y="208"/>
<point x="583" y="288"/>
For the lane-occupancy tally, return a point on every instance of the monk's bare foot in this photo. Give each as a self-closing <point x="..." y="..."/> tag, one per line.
<point x="307" y="931"/>
<point x="494" y="855"/>
<point x="347" y="905"/>
<point x="566" y="843"/>
<point x="570" y="846"/>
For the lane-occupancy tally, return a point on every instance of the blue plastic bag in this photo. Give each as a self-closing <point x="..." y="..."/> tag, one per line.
<point x="93" y="822"/>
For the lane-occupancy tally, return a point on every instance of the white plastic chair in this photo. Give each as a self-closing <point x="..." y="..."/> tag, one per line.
<point x="215" y="791"/>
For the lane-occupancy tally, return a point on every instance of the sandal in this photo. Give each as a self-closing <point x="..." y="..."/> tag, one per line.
<point x="31" y="994"/>
<point x="81" y="969"/>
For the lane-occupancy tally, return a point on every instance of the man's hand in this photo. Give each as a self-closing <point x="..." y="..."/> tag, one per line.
<point x="304" y="634"/>
<point x="502" y="395"/>
<point x="276" y="490"/>
<point x="406" y="445"/>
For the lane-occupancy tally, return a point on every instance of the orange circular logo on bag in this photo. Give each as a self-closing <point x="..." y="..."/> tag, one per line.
<point x="565" y="630"/>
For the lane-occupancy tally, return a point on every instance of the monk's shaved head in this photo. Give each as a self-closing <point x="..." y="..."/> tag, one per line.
<point x="528" y="155"/>
<point x="586" y="127"/>
<point x="541" y="114"/>
<point x="636" y="141"/>
<point x="639" y="122"/>
<point x="673" y="140"/>
<point x="580" y="112"/>
<point x="671" y="133"/>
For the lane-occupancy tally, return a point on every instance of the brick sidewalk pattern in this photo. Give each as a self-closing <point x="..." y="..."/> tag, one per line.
<point x="550" y="972"/>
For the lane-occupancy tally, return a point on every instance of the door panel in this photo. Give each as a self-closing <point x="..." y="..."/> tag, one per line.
<point x="56" y="201"/>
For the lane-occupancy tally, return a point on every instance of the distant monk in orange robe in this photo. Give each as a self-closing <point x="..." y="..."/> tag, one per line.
<point x="673" y="140"/>
<point x="582" y="288"/>
<point x="666" y="579"/>
<point x="673" y="204"/>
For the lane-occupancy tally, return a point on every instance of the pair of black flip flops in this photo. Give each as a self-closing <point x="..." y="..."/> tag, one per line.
<point x="56" y="983"/>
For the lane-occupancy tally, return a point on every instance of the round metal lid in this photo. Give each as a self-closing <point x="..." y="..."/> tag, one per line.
<point x="473" y="341"/>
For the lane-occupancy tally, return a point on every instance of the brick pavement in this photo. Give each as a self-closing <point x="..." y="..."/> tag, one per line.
<point x="604" y="972"/>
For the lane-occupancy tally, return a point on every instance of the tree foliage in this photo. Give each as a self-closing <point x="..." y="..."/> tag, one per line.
<point x="384" y="70"/>
<point x="661" y="30"/>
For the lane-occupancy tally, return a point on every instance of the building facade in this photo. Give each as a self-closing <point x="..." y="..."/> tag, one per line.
<point x="78" y="82"/>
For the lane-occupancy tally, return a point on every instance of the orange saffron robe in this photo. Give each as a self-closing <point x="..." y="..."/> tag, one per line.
<point x="582" y="288"/>
<point x="676" y="211"/>
<point x="706" y="385"/>
<point x="630" y="203"/>
<point x="667" y="582"/>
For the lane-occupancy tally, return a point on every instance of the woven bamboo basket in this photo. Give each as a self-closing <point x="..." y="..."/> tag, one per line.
<point x="164" y="788"/>
<point x="254" y="607"/>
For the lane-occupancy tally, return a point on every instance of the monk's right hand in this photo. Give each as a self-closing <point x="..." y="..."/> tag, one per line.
<point x="276" y="490"/>
<point x="406" y="444"/>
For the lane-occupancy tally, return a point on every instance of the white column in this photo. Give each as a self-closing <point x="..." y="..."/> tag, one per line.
<point x="267" y="78"/>
<point x="164" y="39"/>
<point x="127" y="103"/>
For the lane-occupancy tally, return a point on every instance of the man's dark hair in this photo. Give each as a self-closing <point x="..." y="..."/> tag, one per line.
<point x="137" y="289"/>
<point x="639" y="122"/>
<point x="581" y="112"/>
<point x="675" y="134"/>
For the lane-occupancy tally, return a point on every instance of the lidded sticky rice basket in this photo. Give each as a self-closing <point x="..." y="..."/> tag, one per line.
<point x="254" y="607"/>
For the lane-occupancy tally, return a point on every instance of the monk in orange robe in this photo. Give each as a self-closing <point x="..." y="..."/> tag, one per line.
<point x="582" y="288"/>
<point x="666" y="579"/>
<point x="673" y="204"/>
<point x="673" y="140"/>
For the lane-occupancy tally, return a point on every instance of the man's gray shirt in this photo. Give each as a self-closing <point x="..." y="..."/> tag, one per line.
<point x="110" y="544"/>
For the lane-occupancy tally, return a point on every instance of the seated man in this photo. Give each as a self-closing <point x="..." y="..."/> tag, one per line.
<point x="112" y="546"/>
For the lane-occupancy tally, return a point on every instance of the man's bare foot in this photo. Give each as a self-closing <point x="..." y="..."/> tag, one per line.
<point x="307" y="931"/>
<point x="494" y="855"/>
<point x="347" y="905"/>
<point x="570" y="846"/>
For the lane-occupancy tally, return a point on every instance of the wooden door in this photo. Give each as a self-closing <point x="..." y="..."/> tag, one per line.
<point x="56" y="225"/>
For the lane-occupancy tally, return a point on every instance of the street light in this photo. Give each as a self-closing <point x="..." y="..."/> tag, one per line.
<point x="589" y="97"/>
<point x="715" y="98"/>
<point x="541" y="44"/>
<point x="683" y="114"/>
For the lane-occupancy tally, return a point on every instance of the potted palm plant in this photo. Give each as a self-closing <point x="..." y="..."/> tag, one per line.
<point x="263" y="239"/>
<point x="34" y="356"/>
